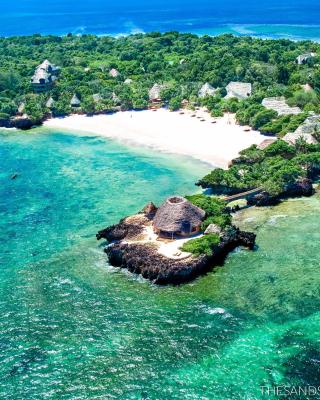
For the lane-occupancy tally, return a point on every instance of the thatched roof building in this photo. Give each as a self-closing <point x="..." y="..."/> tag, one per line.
<point x="177" y="216"/>
<point x="306" y="131"/>
<point x="279" y="105"/>
<point x="75" y="101"/>
<point x="239" y="90"/>
<point x="303" y="58"/>
<point x="44" y="76"/>
<point x="50" y="103"/>
<point x="207" y="90"/>
<point x="155" y="92"/>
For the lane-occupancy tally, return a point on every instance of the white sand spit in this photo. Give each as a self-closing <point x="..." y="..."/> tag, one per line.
<point x="173" y="132"/>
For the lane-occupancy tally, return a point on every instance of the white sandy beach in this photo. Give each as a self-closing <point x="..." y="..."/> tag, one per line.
<point x="172" y="132"/>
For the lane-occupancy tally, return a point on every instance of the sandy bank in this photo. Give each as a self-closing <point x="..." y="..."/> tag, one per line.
<point x="191" y="133"/>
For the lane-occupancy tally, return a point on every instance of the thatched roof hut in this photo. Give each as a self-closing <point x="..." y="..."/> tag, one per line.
<point x="50" y="102"/>
<point x="155" y="92"/>
<point x="207" y="90"/>
<point x="306" y="131"/>
<point x="280" y="105"/>
<point x="44" y="76"/>
<point x="177" y="216"/>
<point x="239" y="90"/>
<point x="75" y="101"/>
<point x="48" y="67"/>
<point x="303" y="58"/>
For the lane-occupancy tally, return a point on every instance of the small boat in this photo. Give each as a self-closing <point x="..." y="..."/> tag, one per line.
<point x="14" y="176"/>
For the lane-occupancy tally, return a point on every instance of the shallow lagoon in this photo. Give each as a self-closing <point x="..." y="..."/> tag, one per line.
<point x="74" y="328"/>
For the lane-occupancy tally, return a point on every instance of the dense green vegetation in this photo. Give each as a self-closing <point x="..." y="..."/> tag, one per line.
<point x="184" y="62"/>
<point x="215" y="209"/>
<point x="274" y="169"/>
<point x="201" y="246"/>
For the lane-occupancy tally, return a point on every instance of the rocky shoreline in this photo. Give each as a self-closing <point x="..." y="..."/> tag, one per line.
<point x="144" y="259"/>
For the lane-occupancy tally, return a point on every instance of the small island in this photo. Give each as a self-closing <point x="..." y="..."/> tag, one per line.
<point x="184" y="238"/>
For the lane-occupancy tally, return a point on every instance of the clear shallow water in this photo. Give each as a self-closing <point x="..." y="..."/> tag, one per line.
<point x="296" y="19"/>
<point x="74" y="328"/>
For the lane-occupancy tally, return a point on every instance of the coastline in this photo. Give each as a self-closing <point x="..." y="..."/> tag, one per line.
<point x="215" y="141"/>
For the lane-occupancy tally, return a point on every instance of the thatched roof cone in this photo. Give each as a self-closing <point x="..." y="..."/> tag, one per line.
<point x="50" y="103"/>
<point x="175" y="212"/>
<point x="75" y="101"/>
<point x="239" y="90"/>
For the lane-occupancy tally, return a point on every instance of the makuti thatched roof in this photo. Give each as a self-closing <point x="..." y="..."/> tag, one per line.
<point x="175" y="213"/>
<point x="239" y="90"/>
<point x="280" y="105"/>
<point x="41" y="76"/>
<point x="48" y="66"/>
<point x="155" y="91"/>
<point x="50" y="102"/>
<point x="303" y="58"/>
<point x="207" y="90"/>
<point x="75" y="101"/>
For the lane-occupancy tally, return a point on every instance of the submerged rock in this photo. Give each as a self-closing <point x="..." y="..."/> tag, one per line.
<point x="302" y="187"/>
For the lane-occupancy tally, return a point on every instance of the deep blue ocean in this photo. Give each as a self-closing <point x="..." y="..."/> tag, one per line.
<point x="295" y="19"/>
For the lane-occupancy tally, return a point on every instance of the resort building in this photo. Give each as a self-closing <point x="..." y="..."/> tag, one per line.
<point x="308" y="131"/>
<point x="75" y="101"/>
<point x="155" y="93"/>
<point x="50" y="103"/>
<point x="303" y="58"/>
<point x="177" y="217"/>
<point x="44" y="77"/>
<point x="238" y="90"/>
<point x="207" y="90"/>
<point x="279" y="105"/>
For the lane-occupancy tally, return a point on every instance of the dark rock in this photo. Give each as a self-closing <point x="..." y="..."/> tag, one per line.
<point x="302" y="187"/>
<point x="23" y="123"/>
<point x="120" y="231"/>
<point x="263" y="199"/>
<point x="145" y="260"/>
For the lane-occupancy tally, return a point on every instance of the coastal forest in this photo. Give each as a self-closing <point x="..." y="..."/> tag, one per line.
<point x="181" y="63"/>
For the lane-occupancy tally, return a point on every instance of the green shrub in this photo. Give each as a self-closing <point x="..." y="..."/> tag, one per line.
<point x="201" y="246"/>
<point x="222" y="220"/>
<point x="4" y="116"/>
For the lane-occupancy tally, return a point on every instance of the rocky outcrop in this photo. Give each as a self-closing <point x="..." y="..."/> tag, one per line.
<point x="302" y="187"/>
<point x="23" y="123"/>
<point x="144" y="259"/>
<point x="120" y="231"/>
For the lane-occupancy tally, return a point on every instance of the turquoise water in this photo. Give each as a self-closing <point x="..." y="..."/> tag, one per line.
<point x="72" y="327"/>
<point x="297" y="19"/>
